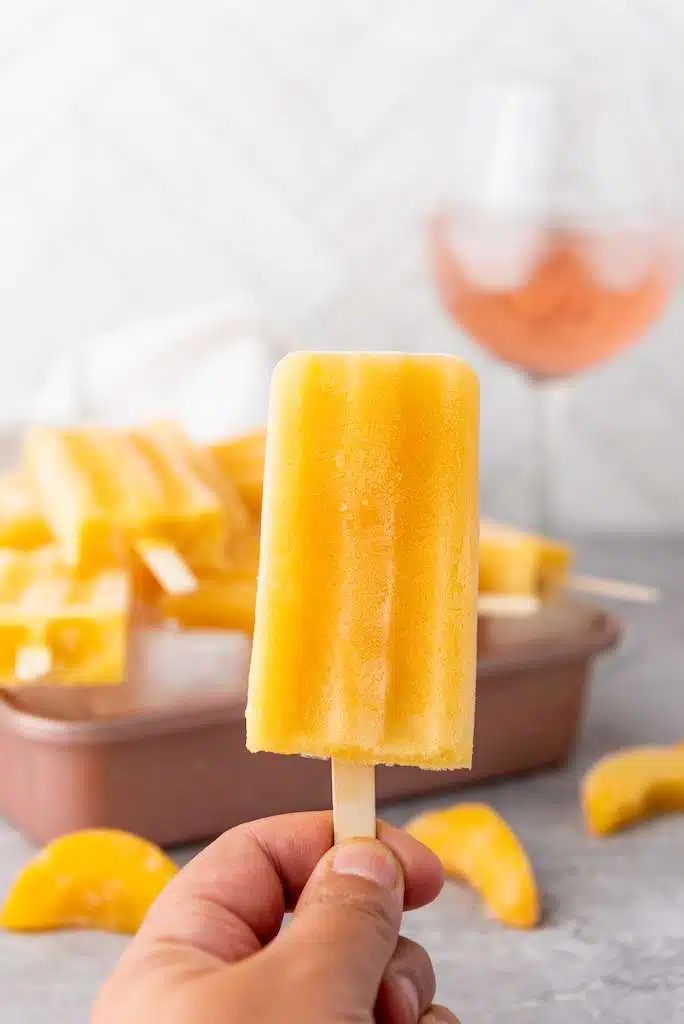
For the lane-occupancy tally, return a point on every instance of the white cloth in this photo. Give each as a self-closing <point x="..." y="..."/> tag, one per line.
<point x="209" y="369"/>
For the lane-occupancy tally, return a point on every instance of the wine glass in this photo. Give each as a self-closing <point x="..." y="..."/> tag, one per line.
<point x="555" y="245"/>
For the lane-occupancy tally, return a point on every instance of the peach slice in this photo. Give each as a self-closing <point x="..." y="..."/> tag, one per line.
<point x="95" y="878"/>
<point x="474" y="843"/>
<point x="631" y="785"/>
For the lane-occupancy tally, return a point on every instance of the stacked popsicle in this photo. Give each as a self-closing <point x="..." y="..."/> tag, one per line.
<point x="98" y="519"/>
<point x="55" y="623"/>
<point x="225" y="596"/>
<point x="519" y="570"/>
<point x="176" y="525"/>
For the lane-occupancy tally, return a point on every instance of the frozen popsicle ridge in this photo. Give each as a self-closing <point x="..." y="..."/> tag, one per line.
<point x="360" y="529"/>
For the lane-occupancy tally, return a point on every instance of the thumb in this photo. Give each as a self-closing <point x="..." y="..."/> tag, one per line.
<point x="346" y="926"/>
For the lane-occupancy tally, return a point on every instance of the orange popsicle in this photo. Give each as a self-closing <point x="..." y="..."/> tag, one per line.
<point x="69" y="627"/>
<point x="242" y="461"/>
<point x="222" y="600"/>
<point x="22" y="524"/>
<point x="527" y="567"/>
<point x="364" y="645"/>
<point x="515" y="562"/>
<point x="105" y="491"/>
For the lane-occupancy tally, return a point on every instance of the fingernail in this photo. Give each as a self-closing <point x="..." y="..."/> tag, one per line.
<point x="367" y="859"/>
<point x="438" y="1015"/>
<point x="410" y="994"/>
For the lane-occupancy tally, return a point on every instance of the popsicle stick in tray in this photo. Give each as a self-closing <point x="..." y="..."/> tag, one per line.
<point x="33" y="663"/>
<point x="522" y="606"/>
<point x="508" y="606"/>
<point x="353" y="791"/>
<point x="167" y="566"/>
<point x="618" y="589"/>
<point x="542" y="566"/>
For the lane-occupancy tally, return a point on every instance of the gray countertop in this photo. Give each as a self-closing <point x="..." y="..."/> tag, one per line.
<point x="611" y="947"/>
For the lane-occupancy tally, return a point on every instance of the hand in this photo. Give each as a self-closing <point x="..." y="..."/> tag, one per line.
<point x="211" y="951"/>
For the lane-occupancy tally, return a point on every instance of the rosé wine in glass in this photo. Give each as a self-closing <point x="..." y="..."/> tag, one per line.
<point x="566" y="316"/>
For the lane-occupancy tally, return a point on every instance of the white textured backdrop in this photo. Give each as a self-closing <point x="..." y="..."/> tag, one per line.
<point x="158" y="153"/>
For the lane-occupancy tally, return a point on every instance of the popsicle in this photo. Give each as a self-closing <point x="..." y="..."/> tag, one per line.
<point x="193" y="524"/>
<point x="364" y="645"/>
<point x="242" y="461"/>
<point x="244" y="553"/>
<point x="60" y="626"/>
<point x="222" y="600"/>
<point x="22" y="524"/>
<point x="515" y="562"/>
<point x="528" y="567"/>
<point x="225" y="598"/>
<point x="105" y="492"/>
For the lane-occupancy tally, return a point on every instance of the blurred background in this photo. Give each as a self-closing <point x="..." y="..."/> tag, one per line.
<point x="285" y="157"/>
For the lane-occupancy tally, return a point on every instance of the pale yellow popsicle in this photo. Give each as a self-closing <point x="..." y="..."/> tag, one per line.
<point x="513" y="561"/>
<point x="104" y="491"/>
<point x="22" y="524"/>
<point x="66" y="626"/>
<point x="242" y="461"/>
<point x="364" y="646"/>
<point x="222" y="600"/>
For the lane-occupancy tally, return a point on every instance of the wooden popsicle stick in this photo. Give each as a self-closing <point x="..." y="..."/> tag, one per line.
<point x="353" y="792"/>
<point x="512" y="606"/>
<point x="33" y="663"/>
<point x="618" y="589"/>
<point x="167" y="566"/>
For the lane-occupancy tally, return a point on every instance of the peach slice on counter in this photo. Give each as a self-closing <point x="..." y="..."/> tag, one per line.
<point x="96" y="878"/>
<point x="474" y="843"/>
<point x="631" y="785"/>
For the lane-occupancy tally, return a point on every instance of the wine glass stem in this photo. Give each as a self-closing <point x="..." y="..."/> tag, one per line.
<point x="549" y="402"/>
